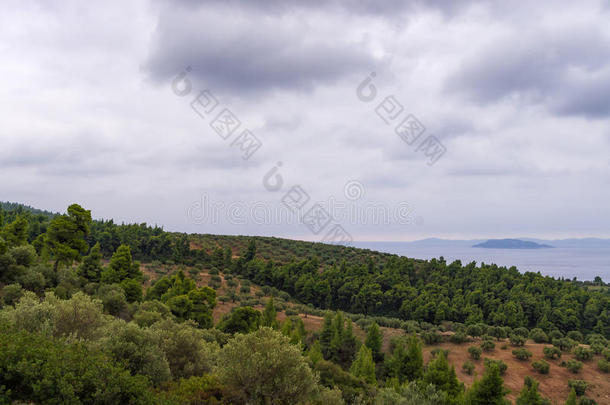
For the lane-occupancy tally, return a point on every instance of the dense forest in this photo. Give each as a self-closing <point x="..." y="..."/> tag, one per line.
<point x="81" y="322"/>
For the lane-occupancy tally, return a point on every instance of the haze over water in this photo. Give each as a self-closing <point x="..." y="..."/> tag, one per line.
<point x="583" y="263"/>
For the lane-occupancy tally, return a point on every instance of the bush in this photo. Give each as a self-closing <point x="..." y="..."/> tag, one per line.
<point x="214" y="271"/>
<point x="474" y="330"/>
<point x="475" y="352"/>
<point x="521" y="331"/>
<point x="244" y="289"/>
<point x="603" y="365"/>
<point x="606" y="354"/>
<point x="488" y="345"/>
<point x="431" y="338"/>
<point x="502" y="366"/>
<point x="582" y="353"/>
<point x="597" y="348"/>
<point x="575" y="335"/>
<point x="551" y="352"/>
<point x="574" y="366"/>
<point x="579" y="386"/>
<point x="555" y="334"/>
<point x="468" y="367"/>
<point x="517" y="340"/>
<point x="522" y="354"/>
<point x="231" y="283"/>
<point x="263" y="367"/>
<point x="564" y="344"/>
<point x="541" y="366"/>
<point x="458" y="338"/>
<point x="538" y="336"/>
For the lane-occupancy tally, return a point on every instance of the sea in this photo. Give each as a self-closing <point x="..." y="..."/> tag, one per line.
<point x="584" y="263"/>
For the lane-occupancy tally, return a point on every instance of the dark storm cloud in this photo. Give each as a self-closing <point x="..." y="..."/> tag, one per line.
<point x="251" y="54"/>
<point x="565" y="70"/>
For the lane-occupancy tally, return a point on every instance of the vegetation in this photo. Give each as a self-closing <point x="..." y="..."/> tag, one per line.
<point x="81" y="322"/>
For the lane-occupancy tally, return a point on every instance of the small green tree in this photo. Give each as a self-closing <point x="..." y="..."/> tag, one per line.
<point x="363" y="366"/>
<point x="442" y="375"/>
<point x="65" y="238"/>
<point x="489" y="390"/>
<point x="270" y="315"/>
<point x="529" y="394"/>
<point x="475" y="352"/>
<point x="374" y="340"/>
<point x="91" y="268"/>
<point x="264" y="368"/>
<point x="572" y="398"/>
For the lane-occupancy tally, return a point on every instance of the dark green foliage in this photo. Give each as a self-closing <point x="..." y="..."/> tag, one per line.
<point x="121" y="267"/>
<point x="564" y="344"/>
<point x="442" y="375"/>
<point x="406" y="362"/>
<point x="522" y="354"/>
<point x="332" y="375"/>
<point x="65" y="239"/>
<point x="574" y="366"/>
<point x="468" y="367"/>
<point x="529" y="394"/>
<point x="541" y="366"/>
<point x="241" y="320"/>
<point x="489" y="390"/>
<point x="53" y="372"/>
<point x="582" y="353"/>
<point x="552" y="352"/>
<point x="502" y="366"/>
<point x="517" y="340"/>
<point x="374" y="341"/>
<point x="579" y="386"/>
<point x="459" y="338"/>
<point x="488" y="345"/>
<point x="603" y="365"/>
<point x="538" y="335"/>
<point x="91" y="268"/>
<point x="431" y="338"/>
<point x="270" y="315"/>
<point x="475" y="352"/>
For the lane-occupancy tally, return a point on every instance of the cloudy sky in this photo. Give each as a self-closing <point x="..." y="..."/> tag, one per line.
<point x="122" y="107"/>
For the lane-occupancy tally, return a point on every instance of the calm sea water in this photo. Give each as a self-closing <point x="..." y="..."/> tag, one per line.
<point x="568" y="262"/>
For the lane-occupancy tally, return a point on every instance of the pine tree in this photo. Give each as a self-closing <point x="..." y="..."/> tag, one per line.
<point x="315" y="353"/>
<point x="441" y="374"/>
<point x="16" y="233"/>
<point x="270" y="314"/>
<point x="374" y="340"/>
<point x="326" y="336"/>
<point x="91" y="268"/>
<point x="363" y="366"/>
<point x="529" y="394"/>
<point x="489" y="390"/>
<point x="251" y="252"/>
<point x="572" y="399"/>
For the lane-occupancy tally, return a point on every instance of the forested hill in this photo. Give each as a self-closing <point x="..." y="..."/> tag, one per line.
<point x="362" y="281"/>
<point x="82" y="322"/>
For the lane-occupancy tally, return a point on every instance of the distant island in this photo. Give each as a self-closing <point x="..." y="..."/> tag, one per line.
<point x="510" y="244"/>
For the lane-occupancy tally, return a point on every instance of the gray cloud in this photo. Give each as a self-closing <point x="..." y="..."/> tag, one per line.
<point x="541" y="66"/>
<point x="251" y="54"/>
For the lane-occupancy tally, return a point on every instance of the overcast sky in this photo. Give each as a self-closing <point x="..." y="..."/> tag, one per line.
<point x="516" y="94"/>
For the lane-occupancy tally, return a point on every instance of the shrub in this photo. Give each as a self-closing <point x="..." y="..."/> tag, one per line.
<point x="517" y="340"/>
<point x="604" y="365"/>
<point x="488" y="345"/>
<point x="606" y="354"/>
<point x="474" y="330"/>
<point x="582" y="353"/>
<point x="575" y="335"/>
<point x="468" y="367"/>
<point x="555" y="334"/>
<point x="597" y="348"/>
<point x="502" y="366"/>
<point x="216" y="278"/>
<point x="551" y="352"/>
<point x="244" y="289"/>
<point x="574" y="366"/>
<point x="431" y="338"/>
<point x="504" y="347"/>
<point x="458" y="338"/>
<point x="521" y="331"/>
<point x="564" y="344"/>
<point x="579" y="386"/>
<point x="475" y="352"/>
<point x="214" y="271"/>
<point x="522" y="354"/>
<point x="541" y="366"/>
<point x="538" y="336"/>
<point x="231" y="283"/>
